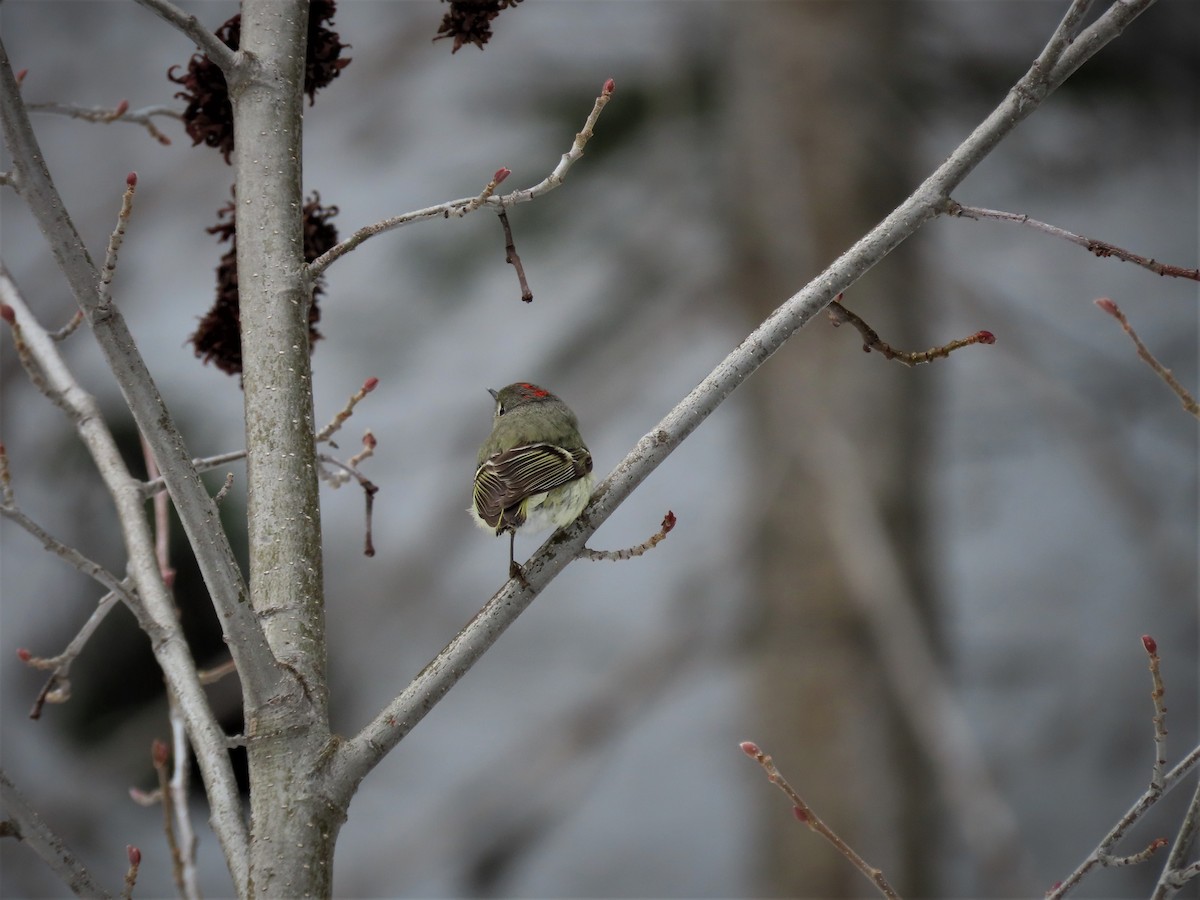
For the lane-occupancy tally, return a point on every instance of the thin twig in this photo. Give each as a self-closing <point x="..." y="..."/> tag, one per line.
<point x="1160" y="785"/>
<point x="511" y="257"/>
<point x="454" y="207"/>
<point x="668" y="523"/>
<point x="1188" y="401"/>
<point x="57" y="687"/>
<point x="346" y="411"/>
<point x="1160" y="713"/>
<point x="350" y="470"/>
<point x="485" y="194"/>
<point x="27" y="826"/>
<point x="224" y="490"/>
<point x="804" y="813"/>
<point x="114" y="244"/>
<point x="838" y="314"/>
<point x="1176" y="871"/>
<point x="69" y="329"/>
<point x="1099" y="248"/>
<point x="131" y="874"/>
<point x="212" y="46"/>
<point x="121" y="113"/>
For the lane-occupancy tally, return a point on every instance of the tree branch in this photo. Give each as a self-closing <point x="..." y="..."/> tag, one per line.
<point x="463" y="205"/>
<point x="208" y="42"/>
<point x="26" y="825"/>
<point x="197" y="511"/>
<point x="359" y="755"/>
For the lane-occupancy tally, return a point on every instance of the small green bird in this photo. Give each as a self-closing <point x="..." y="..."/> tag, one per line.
<point x="534" y="471"/>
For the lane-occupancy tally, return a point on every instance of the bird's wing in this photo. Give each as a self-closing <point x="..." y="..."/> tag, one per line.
<point x="505" y="479"/>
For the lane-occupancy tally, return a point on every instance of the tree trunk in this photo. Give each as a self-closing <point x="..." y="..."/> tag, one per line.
<point x="833" y="164"/>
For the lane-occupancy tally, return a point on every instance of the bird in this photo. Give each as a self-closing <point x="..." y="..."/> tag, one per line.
<point x="534" y="471"/>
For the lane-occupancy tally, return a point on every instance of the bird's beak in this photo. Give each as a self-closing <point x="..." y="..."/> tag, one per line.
<point x="495" y="396"/>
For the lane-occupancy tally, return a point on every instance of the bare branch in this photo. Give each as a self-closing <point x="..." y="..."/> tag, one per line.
<point x="212" y="46"/>
<point x="114" y="244"/>
<point x="1188" y="401"/>
<point x="460" y="207"/>
<point x="838" y="314"/>
<point x="357" y="756"/>
<point x="26" y="825"/>
<point x="511" y="257"/>
<point x="805" y="814"/>
<point x="1099" y="248"/>
<point x="120" y="113"/>
<point x="649" y="544"/>
<point x="346" y="411"/>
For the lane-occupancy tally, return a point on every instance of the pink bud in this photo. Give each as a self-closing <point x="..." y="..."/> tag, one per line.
<point x="1150" y="644"/>
<point x="501" y="174"/>
<point x="159" y="752"/>
<point x="750" y="748"/>
<point x="21" y="75"/>
<point x="135" y="855"/>
<point x="668" y="522"/>
<point x="7" y="314"/>
<point x="369" y="440"/>
<point x="131" y="179"/>
<point x="800" y="814"/>
<point x="609" y="87"/>
<point x="24" y="655"/>
<point x="370" y="384"/>
<point x="1108" y="306"/>
<point x="985" y="337"/>
<point x="122" y="108"/>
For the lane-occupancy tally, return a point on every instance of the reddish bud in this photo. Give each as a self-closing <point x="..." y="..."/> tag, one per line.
<point x="801" y="815"/>
<point x="131" y="179"/>
<point x="1055" y="886"/>
<point x="668" y="522"/>
<point x="7" y="314"/>
<point x="501" y="174"/>
<point x="122" y="108"/>
<point x="21" y="76"/>
<point x="135" y="855"/>
<point x="1107" y="305"/>
<point x="1158" y="843"/>
<point x="370" y="384"/>
<point x="609" y="87"/>
<point x="750" y="748"/>
<point x="24" y="655"/>
<point x="159" y="752"/>
<point x="369" y="440"/>
<point x="985" y="337"/>
<point x="1150" y="644"/>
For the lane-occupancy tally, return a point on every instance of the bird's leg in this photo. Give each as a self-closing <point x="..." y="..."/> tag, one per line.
<point x="514" y="568"/>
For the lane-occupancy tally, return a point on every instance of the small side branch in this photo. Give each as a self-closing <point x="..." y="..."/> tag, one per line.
<point x="1160" y="785"/>
<point x="120" y="113"/>
<point x="1099" y="248"/>
<point x="511" y="257"/>
<point x="460" y="207"/>
<point x="24" y="824"/>
<point x="1188" y="401"/>
<point x="212" y="46"/>
<point x="346" y="411"/>
<point x="838" y="315"/>
<point x="804" y="813"/>
<point x="114" y="244"/>
<point x="668" y="523"/>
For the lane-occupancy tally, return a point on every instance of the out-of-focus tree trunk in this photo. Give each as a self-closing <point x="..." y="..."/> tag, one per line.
<point x="833" y="160"/>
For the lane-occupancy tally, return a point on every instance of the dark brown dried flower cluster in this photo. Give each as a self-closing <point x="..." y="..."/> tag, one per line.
<point x="208" y="117"/>
<point x="470" y="21"/>
<point x="218" y="339"/>
<point x="323" y="61"/>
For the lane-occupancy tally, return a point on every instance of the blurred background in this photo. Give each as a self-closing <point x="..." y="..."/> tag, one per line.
<point x="922" y="590"/>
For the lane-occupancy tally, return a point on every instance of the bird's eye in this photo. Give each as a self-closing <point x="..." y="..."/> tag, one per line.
<point x="499" y="409"/>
